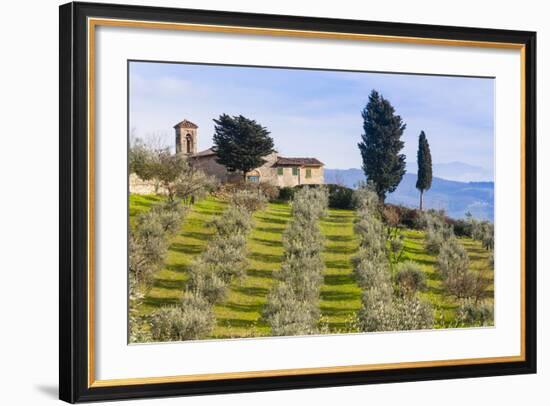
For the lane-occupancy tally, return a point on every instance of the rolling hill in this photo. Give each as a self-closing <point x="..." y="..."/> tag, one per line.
<point x="456" y="198"/>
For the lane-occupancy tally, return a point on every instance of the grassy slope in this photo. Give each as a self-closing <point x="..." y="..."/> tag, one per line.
<point x="239" y="315"/>
<point x="169" y="282"/>
<point x="445" y="305"/>
<point x="340" y="295"/>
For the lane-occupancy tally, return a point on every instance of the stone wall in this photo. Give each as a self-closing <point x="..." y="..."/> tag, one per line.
<point x="139" y="186"/>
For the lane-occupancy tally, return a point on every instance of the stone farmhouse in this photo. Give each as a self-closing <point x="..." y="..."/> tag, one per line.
<point x="277" y="170"/>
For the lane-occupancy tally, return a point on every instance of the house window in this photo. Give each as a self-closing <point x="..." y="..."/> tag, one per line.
<point x="280" y="171"/>
<point x="295" y="171"/>
<point x="253" y="179"/>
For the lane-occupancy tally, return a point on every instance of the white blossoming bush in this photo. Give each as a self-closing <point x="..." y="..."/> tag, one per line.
<point x="191" y="320"/>
<point x="474" y="313"/>
<point x="412" y="313"/>
<point x="288" y="315"/>
<point x="376" y="313"/>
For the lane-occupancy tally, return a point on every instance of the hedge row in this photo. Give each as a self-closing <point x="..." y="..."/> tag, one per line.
<point x="210" y="274"/>
<point x="293" y="304"/>
<point x="383" y="307"/>
<point x="453" y="264"/>
<point x="148" y="245"/>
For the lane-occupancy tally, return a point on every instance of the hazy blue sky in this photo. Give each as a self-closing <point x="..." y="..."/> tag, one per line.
<point x="316" y="113"/>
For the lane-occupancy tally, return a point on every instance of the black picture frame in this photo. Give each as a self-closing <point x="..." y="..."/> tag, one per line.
<point x="74" y="199"/>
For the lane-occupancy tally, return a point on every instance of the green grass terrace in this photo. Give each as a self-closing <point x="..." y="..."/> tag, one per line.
<point x="240" y="314"/>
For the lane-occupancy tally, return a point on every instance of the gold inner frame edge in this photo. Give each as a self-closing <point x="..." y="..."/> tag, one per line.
<point x="94" y="22"/>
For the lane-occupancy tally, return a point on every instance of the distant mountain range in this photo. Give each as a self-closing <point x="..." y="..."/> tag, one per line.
<point x="456" y="198"/>
<point x="459" y="171"/>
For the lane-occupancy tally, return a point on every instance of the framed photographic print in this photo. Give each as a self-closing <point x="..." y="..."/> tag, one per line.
<point x="258" y="202"/>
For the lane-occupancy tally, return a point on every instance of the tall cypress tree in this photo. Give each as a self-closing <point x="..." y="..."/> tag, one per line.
<point x="381" y="144"/>
<point x="240" y="143"/>
<point x="424" y="159"/>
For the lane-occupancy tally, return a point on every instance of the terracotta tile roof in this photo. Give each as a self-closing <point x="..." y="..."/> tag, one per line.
<point x="298" y="161"/>
<point x="206" y="152"/>
<point x="186" y="124"/>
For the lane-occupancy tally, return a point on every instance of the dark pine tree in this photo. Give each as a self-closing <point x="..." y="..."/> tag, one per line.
<point x="381" y="145"/>
<point x="241" y="143"/>
<point x="424" y="158"/>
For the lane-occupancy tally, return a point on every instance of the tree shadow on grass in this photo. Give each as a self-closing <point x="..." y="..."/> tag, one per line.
<point x="265" y="258"/>
<point x="244" y="308"/>
<point x="337" y="264"/>
<point x="260" y="273"/>
<point x="189" y="249"/>
<point x="271" y="220"/>
<point x="158" y="302"/>
<point x="339" y="238"/>
<point x="179" y="267"/>
<point x="335" y="280"/>
<point x="212" y="212"/>
<point x="252" y="291"/>
<point x="334" y="219"/>
<point x="273" y="230"/>
<point x="197" y="235"/>
<point x="340" y="250"/>
<point x="337" y="311"/>
<point x="337" y="296"/>
<point x="169" y="284"/>
<point x="268" y="243"/>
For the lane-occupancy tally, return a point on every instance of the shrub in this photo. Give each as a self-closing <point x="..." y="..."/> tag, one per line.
<point x="411" y="313"/>
<point x="462" y="228"/>
<point x="227" y="256"/>
<point x="371" y="232"/>
<point x="381" y="312"/>
<point x="147" y="247"/>
<point x="170" y="215"/>
<point x="366" y="200"/>
<point x="304" y="275"/>
<point x="438" y="231"/>
<point x="235" y="220"/>
<point x="471" y="313"/>
<point x="310" y="203"/>
<point x="287" y="315"/>
<point x="204" y="280"/>
<point x="192" y="319"/>
<point x="391" y="215"/>
<point x="453" y="263"/>
<point x="371" y="269"/>
<point x="302" y="238"/>
<point x="376" y="313"/>
<point x="452" y="258"/>
<point x="286" y="194"/>
<point x="340" y="197"/>
<point x="411" y="218"/>
<point x="410" y="278"/>
<point x="250" y="200"/>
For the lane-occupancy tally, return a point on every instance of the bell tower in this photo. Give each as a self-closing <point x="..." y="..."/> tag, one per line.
<point x="186" y="137"/>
